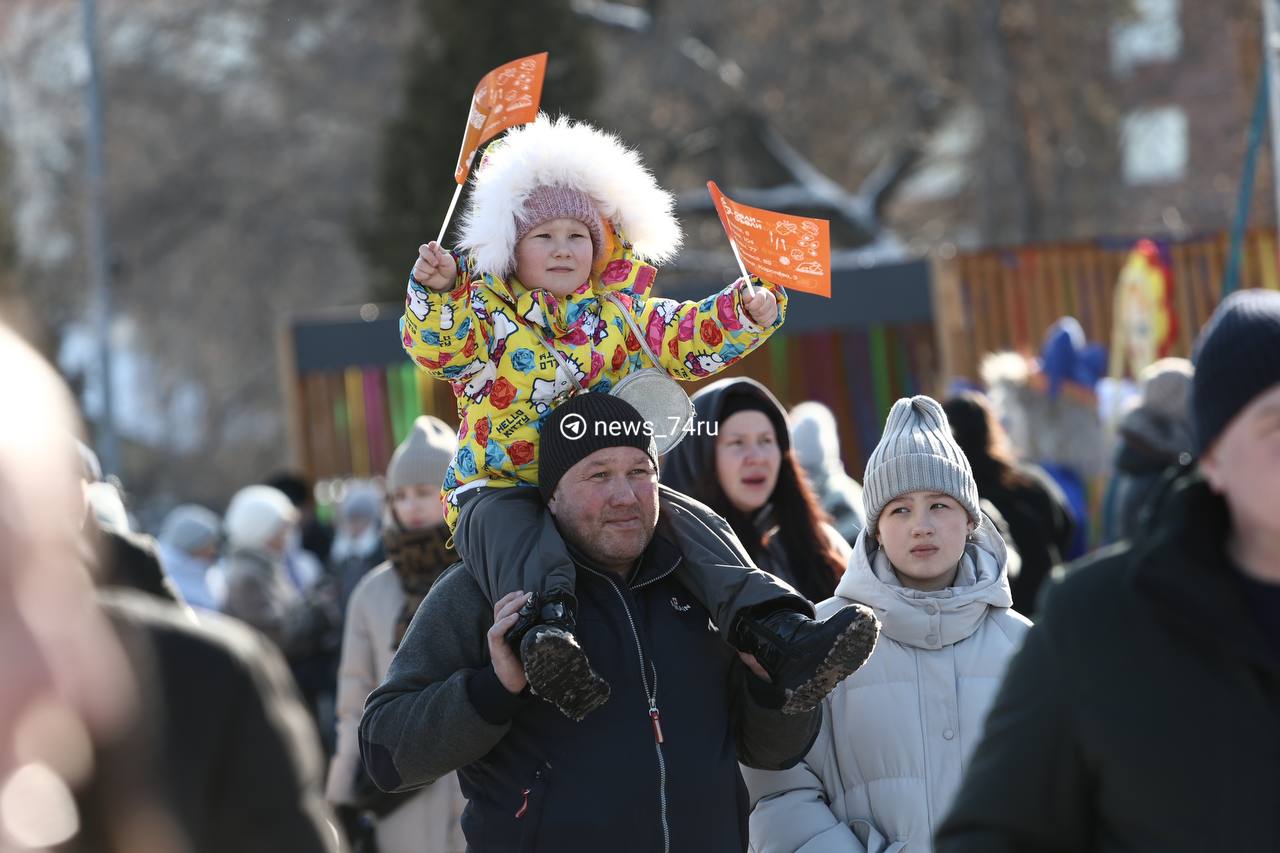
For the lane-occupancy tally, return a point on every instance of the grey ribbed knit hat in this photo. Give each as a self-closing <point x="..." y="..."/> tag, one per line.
<point x="917" y="453"/>
<point x="424" y="456"/>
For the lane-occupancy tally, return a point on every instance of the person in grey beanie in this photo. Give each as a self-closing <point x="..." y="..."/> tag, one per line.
<point x="1087" y="747"/>
<point x="897" y="734"/>
<point x="378" y="614"/>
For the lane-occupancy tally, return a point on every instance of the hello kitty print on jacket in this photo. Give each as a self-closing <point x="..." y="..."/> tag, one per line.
<point x="488" y="338"/>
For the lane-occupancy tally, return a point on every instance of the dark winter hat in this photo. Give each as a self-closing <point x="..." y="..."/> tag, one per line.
<point x="747" y="401"/>
<point x="581" y="426"/>
<point x="917" y="452"/>
<point x="1237" y="358"/>
<point x="559" y="202"/>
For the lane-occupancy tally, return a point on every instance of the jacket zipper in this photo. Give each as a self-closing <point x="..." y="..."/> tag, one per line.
<point x="654" y="715"/>
<point x="524" y="804"/>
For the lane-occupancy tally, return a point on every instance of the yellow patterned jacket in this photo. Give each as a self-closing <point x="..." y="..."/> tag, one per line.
<point x="488" y="338"/>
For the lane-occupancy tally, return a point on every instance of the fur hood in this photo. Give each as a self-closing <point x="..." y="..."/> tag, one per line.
<point x="561" y="152"/>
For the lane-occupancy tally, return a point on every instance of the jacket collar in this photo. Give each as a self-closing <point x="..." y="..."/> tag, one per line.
<point x="931" y="620"/>
<point x="659" y="559"/>
<point x="1183" y="571"/>
<point x="553" y="316"/>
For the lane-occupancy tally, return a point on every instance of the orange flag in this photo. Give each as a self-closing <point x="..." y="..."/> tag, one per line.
<point x="793" y="251"/>
<point x="508" y="95"/>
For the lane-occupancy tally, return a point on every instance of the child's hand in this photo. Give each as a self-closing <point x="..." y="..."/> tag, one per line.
<point x="435" y="268"/>
<point x="762" y="308"/>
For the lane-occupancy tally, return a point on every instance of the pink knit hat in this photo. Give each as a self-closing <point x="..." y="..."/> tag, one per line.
<point x="546" y="203"/>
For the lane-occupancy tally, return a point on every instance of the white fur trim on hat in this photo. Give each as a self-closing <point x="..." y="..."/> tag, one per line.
<point x="561" y="152"/>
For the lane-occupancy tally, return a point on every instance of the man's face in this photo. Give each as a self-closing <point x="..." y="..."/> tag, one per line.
<point x="607" y="506"/>
<point x="1243" y="465"/>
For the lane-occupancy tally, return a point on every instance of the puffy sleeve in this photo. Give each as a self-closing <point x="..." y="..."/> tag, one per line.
<point x="696" y="339"/>
<point x="447" y="333"/>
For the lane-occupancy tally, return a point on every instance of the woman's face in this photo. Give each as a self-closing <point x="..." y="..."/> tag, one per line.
<point x="417" y="506"/>
<point x="747" y="459"/>
<point x="923" y="534"/>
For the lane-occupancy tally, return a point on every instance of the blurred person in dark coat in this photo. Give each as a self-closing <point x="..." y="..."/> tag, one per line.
<point x="297" y="612"/>
<point x="124" y="725"/>
<point x="261" y="590"/>
<point x="1028" y="499"/>
<point x="1154" y="436"/>
<point x="1143" y="711"/>
<point x="121" y="557"/>
<point x="357" y="542"/>
<point x="426" y="820"/>
<point x="316" y="534"/>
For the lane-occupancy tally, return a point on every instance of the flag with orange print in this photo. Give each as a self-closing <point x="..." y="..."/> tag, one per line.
<point x="793" y="251"/>
<point x="508" y="95"/>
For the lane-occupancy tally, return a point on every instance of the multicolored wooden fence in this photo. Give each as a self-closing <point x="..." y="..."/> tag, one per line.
<point x="857" y="373"/>
<point x="1005" y="299"/>
<point x="354" y="418"/>
<point x="351" y="420"/>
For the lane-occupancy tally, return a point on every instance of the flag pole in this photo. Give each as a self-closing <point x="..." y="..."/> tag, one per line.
<point x="746" y="276"/>
<point x="99" y="267"/>
<point x="1271" y="45"/>
<point x="456" y="193"/>
<point x="444" y="226"/>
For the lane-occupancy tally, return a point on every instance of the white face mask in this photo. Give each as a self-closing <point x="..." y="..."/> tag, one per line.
<point x="360" y="545"/>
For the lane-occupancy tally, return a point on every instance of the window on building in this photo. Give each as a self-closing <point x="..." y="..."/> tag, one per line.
<point x="1154" y="145"/>
<point x="1151" y="32"/>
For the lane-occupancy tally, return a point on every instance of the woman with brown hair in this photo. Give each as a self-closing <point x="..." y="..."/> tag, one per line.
<point x="737" y="459"/>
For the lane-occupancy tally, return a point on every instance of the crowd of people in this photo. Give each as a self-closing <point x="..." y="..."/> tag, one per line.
<point x="552" y="628"/>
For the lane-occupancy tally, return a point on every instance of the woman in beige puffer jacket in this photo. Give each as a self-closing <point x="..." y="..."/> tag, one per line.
<point x="429" y="820"/>
<point x="896" y="735"/>
<point x="383" y="602"/>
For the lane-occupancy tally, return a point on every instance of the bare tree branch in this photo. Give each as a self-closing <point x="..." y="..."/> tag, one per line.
<point x="622" y="16"/>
